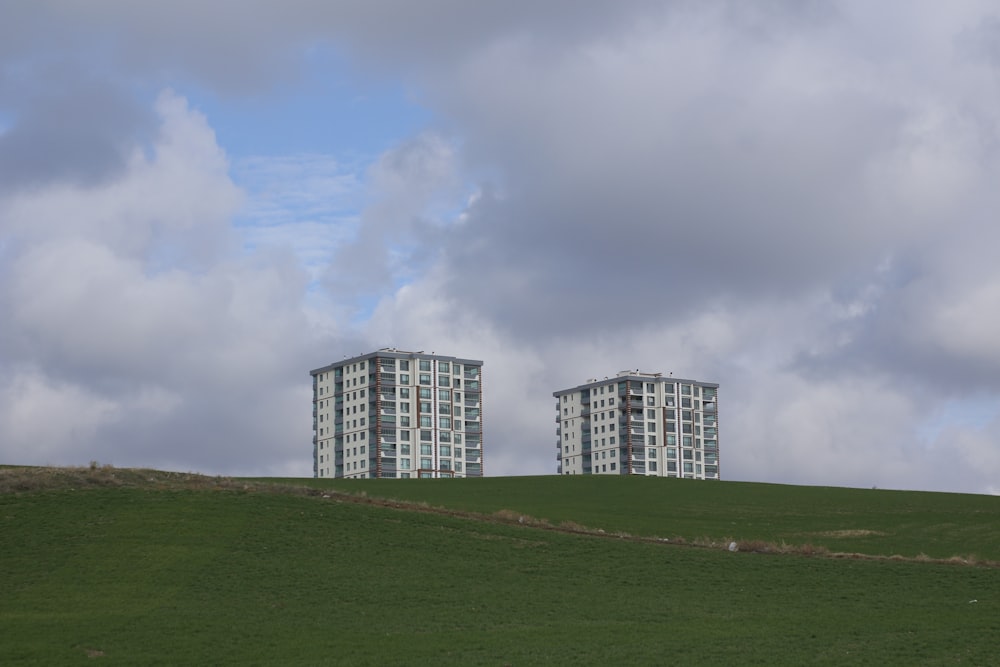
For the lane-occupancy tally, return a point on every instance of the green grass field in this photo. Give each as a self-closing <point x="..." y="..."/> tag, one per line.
<point x="147" y="568"/>
<point x="867" y="521"/>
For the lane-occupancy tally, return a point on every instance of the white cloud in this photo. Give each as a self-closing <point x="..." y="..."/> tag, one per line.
<point x="146" y="334"/>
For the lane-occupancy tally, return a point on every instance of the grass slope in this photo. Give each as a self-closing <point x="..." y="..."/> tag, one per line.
<point x="148" y="568"/>
<point x="867" y="521"/>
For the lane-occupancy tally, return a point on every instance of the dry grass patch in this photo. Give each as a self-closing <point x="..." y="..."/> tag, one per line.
<point x="849" y="532"/>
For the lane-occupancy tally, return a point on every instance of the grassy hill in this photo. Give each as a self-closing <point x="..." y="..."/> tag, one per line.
<point x="146" y="567"/>
<point x="864" y="521"/>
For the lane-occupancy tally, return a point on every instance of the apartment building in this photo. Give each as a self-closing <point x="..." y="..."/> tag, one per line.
<point x="639" y="424"/>
<point x="398" y="414"/>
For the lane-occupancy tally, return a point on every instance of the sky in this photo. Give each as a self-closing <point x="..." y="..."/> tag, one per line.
<point x="202" y="202"/>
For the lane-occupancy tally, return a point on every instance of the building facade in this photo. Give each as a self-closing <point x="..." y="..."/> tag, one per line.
<point x="639" y="424"/>
<point x="396" y="414"/>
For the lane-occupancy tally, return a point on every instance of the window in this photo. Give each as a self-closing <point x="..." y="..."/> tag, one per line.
<point x="425" y="394"/>
<point x="611" y="401"/>
<point x="445" y="465"/>
<point x="425" y="436"/>
<point x="404" y="378"/>
<point x="425" y="421"/>
<point x="443" y="381"/>
<point x="444" y="367"/>
<point x="444" y="422"/>
<point x="444" y="409"/>
<point x="651" y="453"/>
<point x="425" y="364"/>
<point x="425" y="406"/>
<point x="458" y="438"/>
<point x="650" y="414"/>
<point x="445" y="450"/>
<point x="444" y="436"/>
<point x="444" y="395"/>
<point x="651" y="426"/>
<point x="404" y="407"/>
<point x="611" y="440"/>
<point x="425" y="463"/>
<point x="404" y="464"/>
<point x="458" y="466"/>
<point x="404" y="365"/>
<point x="404" y="392"/>
<point x="686" y="440"/>
<point x="688" y="467"/>
<point x="404" y="421"/>
<point x="425" y="378"/>
<point x="686" y="415"/>
<point x="652" y="466"/>
<point x="668" y="388"/>
<point x="612" y="465"/>
<point x="425" y="450"/>
<point x="686" y="428"/>
<point x="652" y="441"/>
<point x="405" y="449"/>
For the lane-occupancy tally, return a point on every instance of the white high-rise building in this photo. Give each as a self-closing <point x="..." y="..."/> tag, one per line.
<point x="397" y="414"/>
<point x="639" y="424"/>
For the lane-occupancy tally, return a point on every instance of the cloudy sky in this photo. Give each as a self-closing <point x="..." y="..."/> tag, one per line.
<point x="202" y="201"/>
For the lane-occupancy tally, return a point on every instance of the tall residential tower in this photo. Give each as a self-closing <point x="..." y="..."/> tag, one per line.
<point x="639" y="424"/>
<point x="397" y="414"/>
